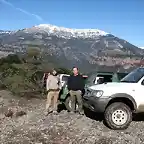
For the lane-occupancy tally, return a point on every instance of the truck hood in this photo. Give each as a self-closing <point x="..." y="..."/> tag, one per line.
<point x="114" y="85"/>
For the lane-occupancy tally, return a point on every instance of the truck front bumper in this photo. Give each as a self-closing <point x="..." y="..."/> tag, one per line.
<point x="95" y="104"/>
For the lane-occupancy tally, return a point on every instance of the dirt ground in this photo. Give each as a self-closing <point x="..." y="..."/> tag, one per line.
<point x="22" y="121"/>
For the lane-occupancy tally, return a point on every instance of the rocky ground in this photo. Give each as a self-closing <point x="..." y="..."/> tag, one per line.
<point x="22" y="121"/>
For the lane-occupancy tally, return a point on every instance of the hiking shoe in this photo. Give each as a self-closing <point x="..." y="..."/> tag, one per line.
<point x="81" y="113"/>
<point x="55" y="112"/>
<point x="71" y="112"/>
<point x="47" y="112"/>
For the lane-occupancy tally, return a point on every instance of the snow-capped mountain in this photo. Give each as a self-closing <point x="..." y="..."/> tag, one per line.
<point x="5" y="32"/>
<point x="84" y="47"/>
<point x="66" y="32"/>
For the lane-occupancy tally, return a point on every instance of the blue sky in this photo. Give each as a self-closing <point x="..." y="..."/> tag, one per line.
<point x="123" y="18"/>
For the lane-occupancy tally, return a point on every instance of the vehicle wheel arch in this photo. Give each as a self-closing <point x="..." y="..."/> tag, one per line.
<point x="125" y="98"/>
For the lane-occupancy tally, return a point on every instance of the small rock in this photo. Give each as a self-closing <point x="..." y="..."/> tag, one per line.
<point x="20" y="113"/>
<point x="9" y="113"/>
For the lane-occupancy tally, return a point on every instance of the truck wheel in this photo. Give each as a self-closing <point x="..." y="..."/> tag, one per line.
<point x="68" y="104"/>
<point x="118" y="116"/>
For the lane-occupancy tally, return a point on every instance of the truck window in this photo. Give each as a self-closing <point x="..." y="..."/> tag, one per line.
<point x="106" y="78"/>
<point x="100" y="80"/>
<point x="65" y="78"/>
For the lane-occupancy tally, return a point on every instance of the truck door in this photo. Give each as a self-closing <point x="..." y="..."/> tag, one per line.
<point x="140" y="96"/>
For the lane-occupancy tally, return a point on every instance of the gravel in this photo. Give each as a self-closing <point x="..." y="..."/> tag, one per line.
<point x="33" y="127"/>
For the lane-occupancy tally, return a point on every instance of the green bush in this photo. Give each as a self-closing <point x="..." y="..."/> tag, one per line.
<point x="12" y="58"/>
<point x="22" y="77"/>
<point x="19" y="77"/>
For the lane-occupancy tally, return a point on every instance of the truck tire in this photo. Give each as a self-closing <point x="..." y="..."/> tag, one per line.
<point x="68" y="104"/>
<point x="118" y="116"/>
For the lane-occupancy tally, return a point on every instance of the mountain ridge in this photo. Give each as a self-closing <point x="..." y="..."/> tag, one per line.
<point x="69" y="47"/>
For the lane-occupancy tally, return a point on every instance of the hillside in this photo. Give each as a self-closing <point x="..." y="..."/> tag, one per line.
<point x="87" y="48"/>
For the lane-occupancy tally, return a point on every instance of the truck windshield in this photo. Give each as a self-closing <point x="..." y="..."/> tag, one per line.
<point x="134" y="76"/>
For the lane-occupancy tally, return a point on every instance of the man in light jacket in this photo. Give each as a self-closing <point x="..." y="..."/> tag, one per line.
<point x="52" y="86"/>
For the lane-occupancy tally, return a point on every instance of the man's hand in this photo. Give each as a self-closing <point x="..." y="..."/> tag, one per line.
<point x="80" y="91"/>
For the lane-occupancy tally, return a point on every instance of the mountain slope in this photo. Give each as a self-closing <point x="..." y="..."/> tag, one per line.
<point x="86" y="48"/>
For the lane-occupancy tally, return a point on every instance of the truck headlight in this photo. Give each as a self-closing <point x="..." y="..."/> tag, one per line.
<point x="97" y="93"/>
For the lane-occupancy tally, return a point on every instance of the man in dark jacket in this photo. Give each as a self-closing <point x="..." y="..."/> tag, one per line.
<point x="75" y="87"/>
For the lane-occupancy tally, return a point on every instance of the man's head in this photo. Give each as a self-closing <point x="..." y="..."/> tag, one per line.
<point x="54" y="72"/>
<point x="75" y="71"/>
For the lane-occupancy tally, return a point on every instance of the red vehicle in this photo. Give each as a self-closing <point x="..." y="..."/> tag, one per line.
<point x="45" y="76"/>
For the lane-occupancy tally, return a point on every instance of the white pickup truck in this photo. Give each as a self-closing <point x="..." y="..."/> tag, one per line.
<point x="118" y="101"/>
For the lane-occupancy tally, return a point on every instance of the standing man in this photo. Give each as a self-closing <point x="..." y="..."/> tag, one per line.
<point x="75" y="87"/>
<point x="53" y="92"/>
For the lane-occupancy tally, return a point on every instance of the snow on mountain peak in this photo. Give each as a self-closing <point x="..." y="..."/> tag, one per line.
<point x="5" y="32"/>
<point x="62" y="32"/>
<point x="70" y="32"/>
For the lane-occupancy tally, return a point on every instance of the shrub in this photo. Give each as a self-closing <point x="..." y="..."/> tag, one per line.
<point x="23" y="78"/>
<point x="18" y="77"/>
<point x="12" y="58"/>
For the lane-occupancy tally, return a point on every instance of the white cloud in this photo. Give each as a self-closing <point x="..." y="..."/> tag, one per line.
<point x="21" y="10"/>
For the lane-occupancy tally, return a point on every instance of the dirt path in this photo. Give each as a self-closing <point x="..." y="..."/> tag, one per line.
<point x="64" y="128"/>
